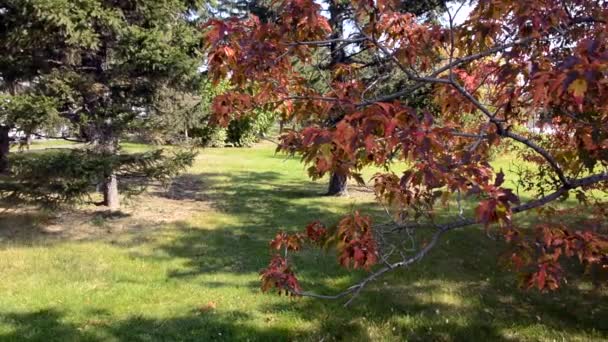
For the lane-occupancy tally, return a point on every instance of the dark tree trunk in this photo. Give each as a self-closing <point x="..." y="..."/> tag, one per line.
<point x="337" y="11"/>
<point x="4" y="148"/>
<point x="337" y="182"/>
<point x="337" y="185"/>
<point x="5" y="142"/>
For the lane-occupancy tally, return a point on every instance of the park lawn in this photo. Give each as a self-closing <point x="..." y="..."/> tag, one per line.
<point x="196" y="278"/>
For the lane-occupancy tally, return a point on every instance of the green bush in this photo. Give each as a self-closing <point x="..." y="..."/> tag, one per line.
<point x="209" y="136"/>
<point x="51" y="178"/>
<point x="243" y="132"/>
<point x="246" y="131"/>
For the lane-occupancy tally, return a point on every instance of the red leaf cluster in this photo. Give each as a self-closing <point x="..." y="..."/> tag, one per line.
<point x="541" y="260"/>
<point x="280" y="276"/>
<point x="291" y="242"/>
<point x="316" y="231"/>
<point x="356" y="244"/>
<point x="229" y="106"/>
<point x="497" y="206"/>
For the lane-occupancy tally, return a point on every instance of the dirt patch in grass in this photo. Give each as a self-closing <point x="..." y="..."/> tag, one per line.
<point x="151" y="210"/>
<point x="360" y="191"/>
<point x="186" y="187"/>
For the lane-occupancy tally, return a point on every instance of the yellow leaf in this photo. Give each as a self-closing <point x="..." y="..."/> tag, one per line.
<point x="578" y="88"/>
<point x="325" y="150"/>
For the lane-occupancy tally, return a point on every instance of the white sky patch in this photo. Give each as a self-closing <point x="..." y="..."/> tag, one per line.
<point x="459" y="11"/>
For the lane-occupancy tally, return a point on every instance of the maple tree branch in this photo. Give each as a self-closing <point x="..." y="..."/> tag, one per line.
<point x="409" y="73"/>
<point x="459" y="61"/>
<point x="587" y="20"/>
<point x="502" y="47"/>
<point x="469" y="135"/>
<point x="506" y="133"/>
<point x="393" y="96"/>
<point x="356" y="289"/>
<point x="548" y="157"/>
<point x="443" y="228"/>
<point x="462" y="60"/>
<point x="312" y="98"/>
<point x="578" y="183"/>
<point x="422" y="81"/>
<point x="327" y="42"/>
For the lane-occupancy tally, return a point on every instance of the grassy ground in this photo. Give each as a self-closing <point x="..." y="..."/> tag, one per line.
<point x="182" y="264"/>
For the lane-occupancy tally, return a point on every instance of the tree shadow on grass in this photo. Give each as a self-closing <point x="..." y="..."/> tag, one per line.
<point x="457" y="293"/>
<point x="465" y="262"/>
<point x="43" y="325"/>
<point x="201" y="325"/>
<point x="44" y="228"/>
<point x="22" y="227"/>
<point x="184" y="187"/>
<point x="204" y="326"/>
<point x="263" y="195"/>
<point x="259" y="204"/>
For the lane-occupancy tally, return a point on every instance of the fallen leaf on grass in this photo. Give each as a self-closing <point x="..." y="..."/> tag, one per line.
<point x="210" y="306"/>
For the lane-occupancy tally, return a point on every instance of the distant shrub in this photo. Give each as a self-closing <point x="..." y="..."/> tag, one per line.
<point x="56" y="177"/>
<point x="243" y="132"/>
<point x="209" y="136"/>
<point x="247" y="131"/>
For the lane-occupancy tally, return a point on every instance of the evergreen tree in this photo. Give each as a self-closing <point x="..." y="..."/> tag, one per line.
<point x="95" y="63"/>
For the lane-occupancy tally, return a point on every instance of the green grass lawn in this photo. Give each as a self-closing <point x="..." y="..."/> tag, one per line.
<point x="196" y="277"/>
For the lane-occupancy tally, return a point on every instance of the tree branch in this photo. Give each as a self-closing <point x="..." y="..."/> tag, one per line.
<point x="466" y="59"/>
<point x="443" y="228"/>
<point x="328" y="42"/>
<point x="506" y="133"/>
<point x="59" y="138"/>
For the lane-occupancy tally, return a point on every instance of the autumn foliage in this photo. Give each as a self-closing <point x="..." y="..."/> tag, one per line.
<point x="527" y="77"/>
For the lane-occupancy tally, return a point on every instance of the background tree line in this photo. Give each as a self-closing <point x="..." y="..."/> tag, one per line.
<point x="98" y="72"/>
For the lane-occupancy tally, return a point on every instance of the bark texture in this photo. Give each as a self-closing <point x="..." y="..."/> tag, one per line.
<point x="4" y="148"/>
<point x="337" y="185"/>
<point x="111" y="198"/>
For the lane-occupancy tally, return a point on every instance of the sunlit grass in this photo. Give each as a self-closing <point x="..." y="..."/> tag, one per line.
<point x="197" y="278"/>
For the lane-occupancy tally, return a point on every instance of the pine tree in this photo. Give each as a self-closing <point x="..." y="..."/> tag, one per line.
<point x="95" y="63"/>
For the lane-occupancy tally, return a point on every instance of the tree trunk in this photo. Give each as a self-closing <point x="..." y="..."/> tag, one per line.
<point x="337" y="185"/>
<point x="4" y="148"/>
<point x="337" y="10"/>
<point x="107" y="145"/>
<point x="28" y="141"/>
<point x="110" y="193"/>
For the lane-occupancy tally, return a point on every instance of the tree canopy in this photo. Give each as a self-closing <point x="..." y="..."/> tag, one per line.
<point x="97" y="65"/>
<point x="527" y="77"/>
